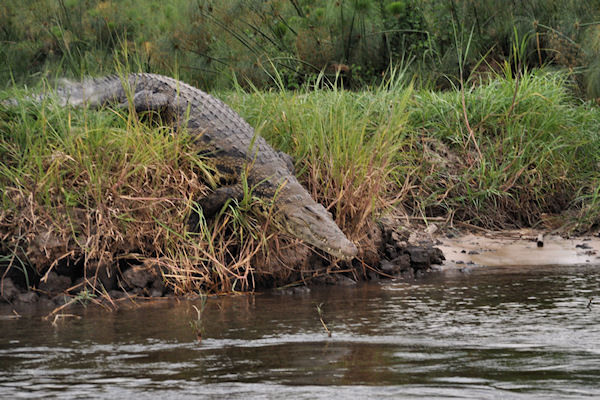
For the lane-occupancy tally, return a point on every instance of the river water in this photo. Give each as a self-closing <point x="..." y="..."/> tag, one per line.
<point x="511" y="332"/>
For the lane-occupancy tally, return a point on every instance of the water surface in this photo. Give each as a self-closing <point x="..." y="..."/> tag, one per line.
<point x="492" y="333"/>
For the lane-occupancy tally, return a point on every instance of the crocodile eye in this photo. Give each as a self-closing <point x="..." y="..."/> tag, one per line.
<point x="315" y="212"/>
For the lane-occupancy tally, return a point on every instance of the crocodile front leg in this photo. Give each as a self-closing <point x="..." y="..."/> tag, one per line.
<point x="213" y="203"/>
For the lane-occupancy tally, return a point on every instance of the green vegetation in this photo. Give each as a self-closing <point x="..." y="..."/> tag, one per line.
<point x="100" y="185"/>
<point x="207" y="42"/>
<point x="533" y="150"/>
<point x="346" y="144"/>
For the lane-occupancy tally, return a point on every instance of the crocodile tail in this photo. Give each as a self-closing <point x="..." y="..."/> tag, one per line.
<point x="94" y="92"/>
<point x="91" y="91"/>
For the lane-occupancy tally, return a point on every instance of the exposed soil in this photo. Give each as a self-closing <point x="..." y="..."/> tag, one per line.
<point x="389" y="250"/>
<point x="394" y="249"/>
<point x="517" y="248"/>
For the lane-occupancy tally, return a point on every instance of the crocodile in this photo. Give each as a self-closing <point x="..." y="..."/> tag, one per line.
<point x="235" y="148"/>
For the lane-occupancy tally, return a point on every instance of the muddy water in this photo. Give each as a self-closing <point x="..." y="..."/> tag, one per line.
<point x="492" y="333"/>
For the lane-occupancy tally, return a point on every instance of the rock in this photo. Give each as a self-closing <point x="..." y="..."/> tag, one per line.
<point x="397" y="265"/>
<point x="55" y="283"/>
<point x="60" y="300"/>
<point x="423" y="257"/>
<point x="436" y="256"/>
<point x="8" y="290"/>
<point x="294" y="290"/>
<point x="108" y="279"/>
<point x="158" y="287"/>
<point x="388" y="267"/>
<point x="302" y="290"/>
<point x="159" y="284"/>
<point x="584" y="246"/>
<point x="116" y="294"/>
<point x="419" y="256"/>
<point x="103" y="275"/>
<point x="343" y="280"/>
<point x="390" y="251"/>
<point x="28" y="297"/>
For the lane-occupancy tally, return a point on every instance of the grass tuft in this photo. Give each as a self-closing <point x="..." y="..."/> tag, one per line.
<point x="100" y="186"/>
<point x="539" y="145"/>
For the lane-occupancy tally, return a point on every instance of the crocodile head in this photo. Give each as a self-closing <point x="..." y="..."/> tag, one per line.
<point x="312" y="223"/>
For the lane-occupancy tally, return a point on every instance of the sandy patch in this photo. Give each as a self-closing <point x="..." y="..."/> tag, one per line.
<point x="518" y="248"/>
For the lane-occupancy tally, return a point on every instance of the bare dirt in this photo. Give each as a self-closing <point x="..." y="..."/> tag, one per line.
<point x="517" y="248"/>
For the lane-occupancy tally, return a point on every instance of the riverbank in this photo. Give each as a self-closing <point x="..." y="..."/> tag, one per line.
<point x="400" y="253"/>
<point x="97" y="201"/>
<point x="407" y="255"/>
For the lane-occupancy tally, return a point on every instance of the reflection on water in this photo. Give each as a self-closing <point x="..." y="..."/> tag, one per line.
<point x="494" y="333"/>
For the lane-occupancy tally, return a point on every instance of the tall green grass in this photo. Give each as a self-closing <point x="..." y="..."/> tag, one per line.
<point x="539" y="147"/>
<point x="346" y="144"/>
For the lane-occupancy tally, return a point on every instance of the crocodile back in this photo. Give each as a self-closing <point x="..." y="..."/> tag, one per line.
<point x="215" y="122"/>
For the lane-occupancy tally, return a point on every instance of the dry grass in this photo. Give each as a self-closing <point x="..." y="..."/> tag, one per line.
<point x="98" y="187"/>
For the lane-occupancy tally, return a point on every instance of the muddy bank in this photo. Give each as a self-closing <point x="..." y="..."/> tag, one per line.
<point x="388" y="251"/>
<point x="524" y="247"/>
<point x="392" y="250"/>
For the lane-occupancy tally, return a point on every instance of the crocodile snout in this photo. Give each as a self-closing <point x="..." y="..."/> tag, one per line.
<point x="348" y="250"/>
<point x="312" y="223"/>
